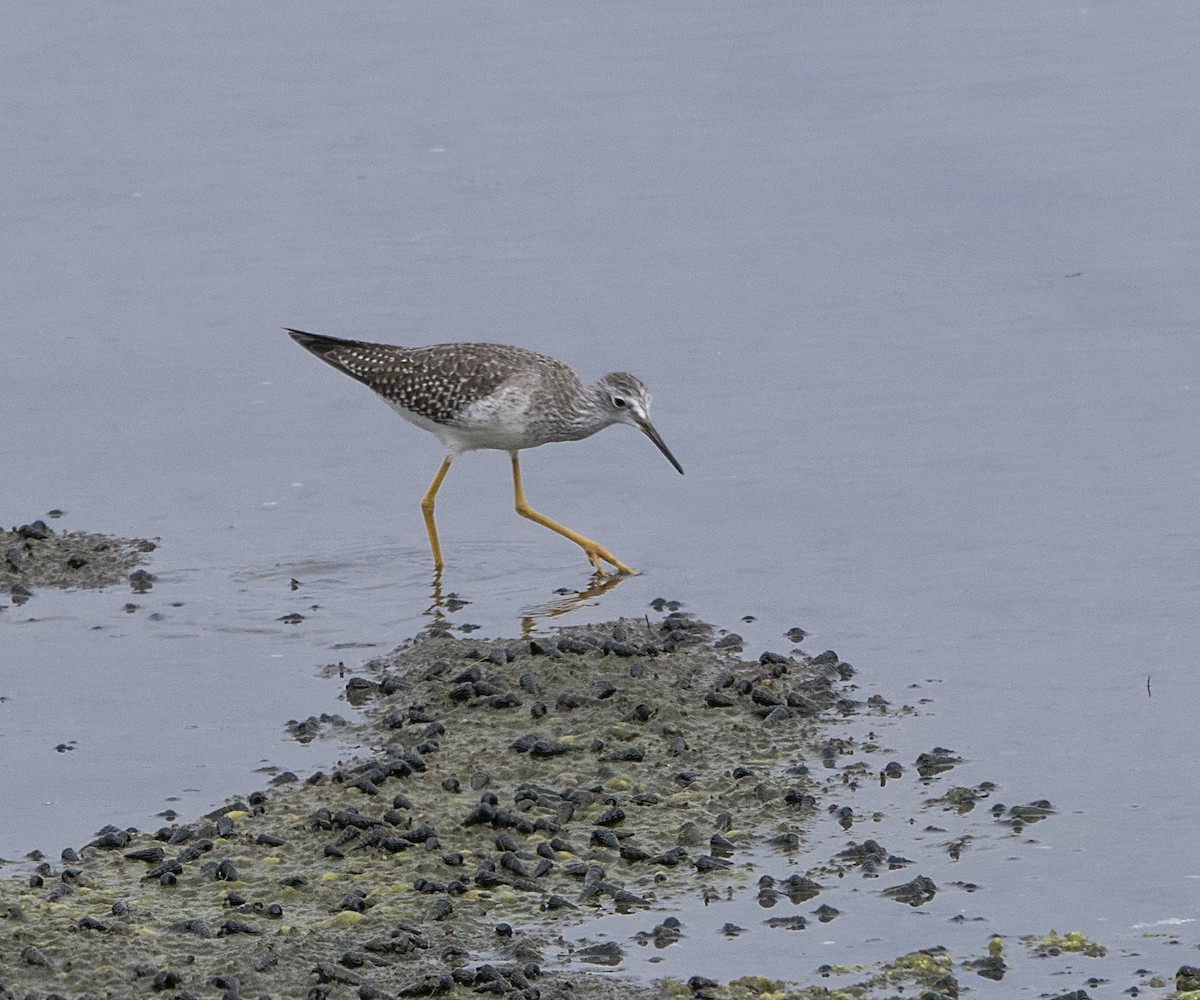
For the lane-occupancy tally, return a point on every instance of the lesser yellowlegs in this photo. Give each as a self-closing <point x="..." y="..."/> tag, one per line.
<point x="492" y="396"/>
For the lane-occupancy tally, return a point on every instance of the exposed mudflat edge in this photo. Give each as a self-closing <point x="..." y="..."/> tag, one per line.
<point x="36" y="555"/>
<point x="512" y="790"/>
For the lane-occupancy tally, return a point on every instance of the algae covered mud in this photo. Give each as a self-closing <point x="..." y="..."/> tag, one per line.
<point x="508" y="794"/>
<point x="35" y="555"/>
<point x="518" y="787"/>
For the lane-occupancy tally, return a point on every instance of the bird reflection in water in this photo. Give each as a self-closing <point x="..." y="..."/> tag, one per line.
<point x="532" y="618"/>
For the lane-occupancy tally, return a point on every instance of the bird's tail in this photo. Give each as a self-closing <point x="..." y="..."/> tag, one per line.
<point x="359" y="359"/>
<point x="315" y="342"/>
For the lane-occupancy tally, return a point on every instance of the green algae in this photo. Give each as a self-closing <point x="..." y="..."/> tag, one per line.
<point x="1072" y="941"/>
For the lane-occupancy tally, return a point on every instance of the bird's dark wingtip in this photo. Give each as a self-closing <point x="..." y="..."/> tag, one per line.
<point x="315" y="342"/>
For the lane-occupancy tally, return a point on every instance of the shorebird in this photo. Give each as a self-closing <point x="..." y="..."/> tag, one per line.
<point x="493" y="396"/>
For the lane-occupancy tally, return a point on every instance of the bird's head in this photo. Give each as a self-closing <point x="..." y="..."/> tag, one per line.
<point x="628" y="402"/>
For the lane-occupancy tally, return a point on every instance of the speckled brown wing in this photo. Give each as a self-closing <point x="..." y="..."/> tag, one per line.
<point x="434" y="382"/>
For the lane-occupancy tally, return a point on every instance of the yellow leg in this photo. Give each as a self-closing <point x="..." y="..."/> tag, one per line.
<point x="595" y="551"/>
<point x="427" y="509"/>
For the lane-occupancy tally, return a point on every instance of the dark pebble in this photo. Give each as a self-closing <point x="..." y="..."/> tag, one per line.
<point x="778" y="714"/>
<point x="936" y="761"/>
<point x="606" y="838"/>
<point x="193" y="926"/>
<point x="720" y="844"/>
<point x="803" y="706"/>
<point x="34" y="956"/>
<point x="920" y="890"/>
<point x="549" y="748"/>
<point x="354" y="901"/>
<point x="151" y="855"/>
<point x="169" y="867"/>
<point x="611" y="817"/>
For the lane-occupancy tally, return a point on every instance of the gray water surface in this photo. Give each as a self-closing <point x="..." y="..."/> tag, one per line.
<point x="915" y="288"/>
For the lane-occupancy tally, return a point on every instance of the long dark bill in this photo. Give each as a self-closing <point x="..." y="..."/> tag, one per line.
<point x="647" y="428"/>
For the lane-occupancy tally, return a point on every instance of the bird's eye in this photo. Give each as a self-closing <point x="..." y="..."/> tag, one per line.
<point x="618" y="402"/>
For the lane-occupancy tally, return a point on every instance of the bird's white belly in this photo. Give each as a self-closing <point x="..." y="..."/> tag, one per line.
<point x="499" y="421"/>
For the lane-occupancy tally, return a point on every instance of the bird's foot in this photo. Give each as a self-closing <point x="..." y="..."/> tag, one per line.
<point x="600" y="555"/>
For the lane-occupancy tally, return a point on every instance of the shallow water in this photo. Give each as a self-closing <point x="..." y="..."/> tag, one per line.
<point x="915" y="289"/>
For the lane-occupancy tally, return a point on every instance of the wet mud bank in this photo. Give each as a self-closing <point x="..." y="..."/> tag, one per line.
<point x="36" y="555"/>
<point x="506" y="791"/>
